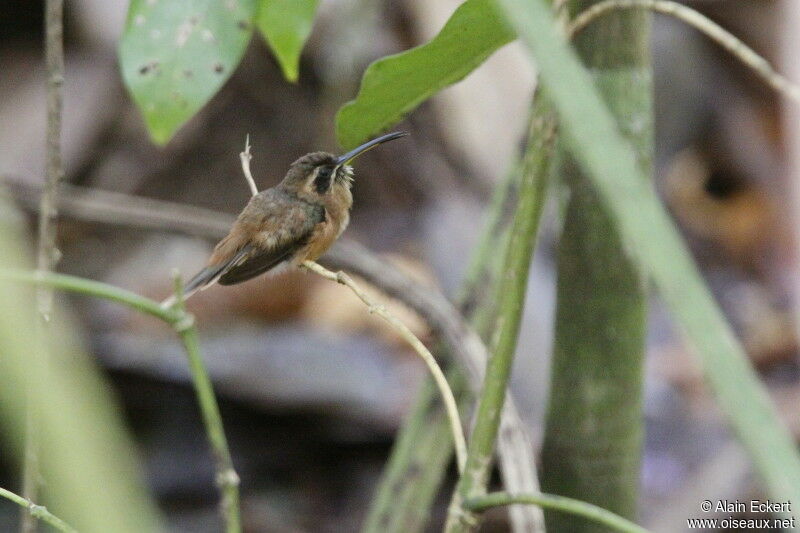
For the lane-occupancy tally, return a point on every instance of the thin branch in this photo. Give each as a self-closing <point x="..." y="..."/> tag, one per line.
<point x="705" y="25"/>
<point x="245" y="157"/>
<point x="183" y="323"/>
<point x="557" y="503"/>
<point x="47" y="253"/>
<point x="424" y="353"/>
<point x="227" y="479"/>
<point x="39" y="512"/>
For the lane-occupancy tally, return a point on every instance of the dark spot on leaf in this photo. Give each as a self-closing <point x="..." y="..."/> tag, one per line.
<point x="194" y="20"/>
<point x="218" y="68"/>
<point x="188" y="73"/>
<point x="242" y="25"/>
<point x="147" y="67"/>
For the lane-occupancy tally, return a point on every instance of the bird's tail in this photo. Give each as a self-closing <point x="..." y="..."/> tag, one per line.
<point x="202" y="280"/>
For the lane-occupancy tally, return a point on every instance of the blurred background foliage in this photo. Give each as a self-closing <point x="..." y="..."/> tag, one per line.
<point x="311" y="390"/>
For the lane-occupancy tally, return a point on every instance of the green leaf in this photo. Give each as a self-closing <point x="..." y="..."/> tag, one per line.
<point x="652" y="239"/>
<point x="286" y="24"/>
<point x="176" y="54"/>
<point x="395" y="85"/>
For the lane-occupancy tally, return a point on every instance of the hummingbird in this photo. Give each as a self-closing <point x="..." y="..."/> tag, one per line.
<point x="295" y="221"/>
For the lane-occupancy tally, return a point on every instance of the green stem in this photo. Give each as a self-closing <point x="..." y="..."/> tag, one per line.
<point x="97" y="289"/>
<point x="37" y="511"/>
<point x="183" y="323"/>
<point x="574" y="507"/>
<point x="510" y="292"/>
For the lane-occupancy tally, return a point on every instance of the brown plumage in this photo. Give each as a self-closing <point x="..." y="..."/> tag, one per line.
<point x="295" y="221"/>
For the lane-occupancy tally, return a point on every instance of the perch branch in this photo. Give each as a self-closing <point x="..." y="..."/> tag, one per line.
<point x="557" y="503"/>
<point x="245" y="157"/>
<point x="705" y="25"/>
<point x="39" y="512"/>
<point x="408" y="336"/>
<point x="183" y="324"/>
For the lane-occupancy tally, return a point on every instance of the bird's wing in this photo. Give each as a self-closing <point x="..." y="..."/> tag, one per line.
<point x="281" y="232"/>
<point x="281" y="225"/>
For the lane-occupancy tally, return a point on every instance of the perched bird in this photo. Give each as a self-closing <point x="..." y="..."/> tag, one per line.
<point x="295" y="221"/>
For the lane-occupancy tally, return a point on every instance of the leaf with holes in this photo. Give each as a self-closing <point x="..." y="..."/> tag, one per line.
<point x="176" y="54"/>
<point x="285" y="25"/>
<point x="396" y="85"/>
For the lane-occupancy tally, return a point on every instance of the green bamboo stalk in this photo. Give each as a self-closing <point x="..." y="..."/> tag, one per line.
<point x="577" y="508"/>
<point x="183" y="323"/>
<point x="594" y="427"/>
<point x="38" y="512"/>
<point x="511" y="291"/>
<point x="650" y="235"/>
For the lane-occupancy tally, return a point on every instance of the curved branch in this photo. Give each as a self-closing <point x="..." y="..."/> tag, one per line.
<point x="419" y="347"/>
<point x="39" y="512"/>
<point x="705" y="25"/>
<point x="183" y="324"/>
<point x="557" y="503"/>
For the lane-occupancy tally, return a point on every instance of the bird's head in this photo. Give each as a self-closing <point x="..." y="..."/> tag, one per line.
<point x="315" y="174"/>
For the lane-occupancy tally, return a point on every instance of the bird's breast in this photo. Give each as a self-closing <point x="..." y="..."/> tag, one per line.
<point x="337" y="216"/>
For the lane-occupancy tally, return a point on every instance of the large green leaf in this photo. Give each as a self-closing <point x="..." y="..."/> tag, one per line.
<point x="396" y="85"/>
<point x="651" y="237"/>
<point x="286" y="25"/>
<point x="176" y="54"/>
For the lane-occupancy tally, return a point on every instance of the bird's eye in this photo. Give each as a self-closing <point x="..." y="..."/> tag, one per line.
<point x="322" y="182"/>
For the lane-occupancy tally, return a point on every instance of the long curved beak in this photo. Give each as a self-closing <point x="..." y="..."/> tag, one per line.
<point x="352" y="154"/>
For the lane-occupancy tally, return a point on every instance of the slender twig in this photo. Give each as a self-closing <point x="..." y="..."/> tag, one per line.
<point x="47" y="253"/>
<point x="705" y="25"/>
<point x="37" y="511"/>
<point x="419" y="347"/>
<point x="183" y="323"/>
<point x="245" y="157"/>
<point x="227" y="479"/>
<point x="557" y="503"/>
